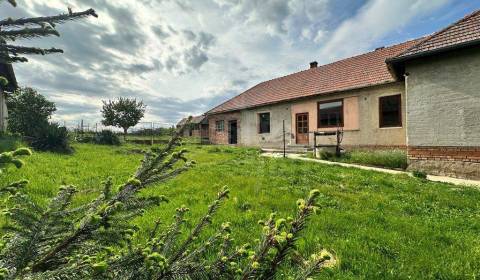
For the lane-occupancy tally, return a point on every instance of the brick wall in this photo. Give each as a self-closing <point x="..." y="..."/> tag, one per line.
<point x="461" y="162"/>
<point x="464" y="154"/>
<point x="221" y="137"/>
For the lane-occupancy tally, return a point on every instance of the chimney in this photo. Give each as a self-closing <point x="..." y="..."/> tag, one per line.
<point x="313" y="64"/>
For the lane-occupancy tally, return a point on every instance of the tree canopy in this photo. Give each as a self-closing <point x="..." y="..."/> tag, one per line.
<point x="28" y="110"/>
<point x="123" y="113"/>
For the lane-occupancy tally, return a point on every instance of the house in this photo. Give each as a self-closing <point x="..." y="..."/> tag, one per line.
<point x="198" y="127"/>
<point x="6" y="71"/>
<point x="422" y="95"/>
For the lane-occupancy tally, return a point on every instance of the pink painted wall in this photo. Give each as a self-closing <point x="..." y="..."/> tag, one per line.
<point x="350" y="114"/>
<point x="361" y="117"/>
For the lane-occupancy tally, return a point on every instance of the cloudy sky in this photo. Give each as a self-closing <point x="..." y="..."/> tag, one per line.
<point x="183" y="57"/>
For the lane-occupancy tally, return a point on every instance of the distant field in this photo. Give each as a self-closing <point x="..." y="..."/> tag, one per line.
<point x="381" y="226"/>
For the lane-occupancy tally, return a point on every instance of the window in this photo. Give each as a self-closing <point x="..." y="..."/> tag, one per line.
<point x="264" y="123"/>
<point x="330" y="114"/>
<point x="390" y="111"/>
<point x="219" y="125"/>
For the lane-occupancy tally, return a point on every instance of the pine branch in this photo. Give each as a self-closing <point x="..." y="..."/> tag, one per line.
<point x="52" y="20"/>
<point x="28" y="33"/>
<point x="206" y="219"/>
<point x="15" y="50"/>
<point x="12" y="2"/>
<point x="9" y="60"/>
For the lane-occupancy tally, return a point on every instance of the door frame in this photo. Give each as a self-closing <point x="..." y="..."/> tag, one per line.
<point x="296" y="127"/>
<point x="230" y="139"/>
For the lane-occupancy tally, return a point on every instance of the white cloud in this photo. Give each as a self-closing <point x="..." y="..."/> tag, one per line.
<point x="186" y="56"/>
<point x="375" y="20"/>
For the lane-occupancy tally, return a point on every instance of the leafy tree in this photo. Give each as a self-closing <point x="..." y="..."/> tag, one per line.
<point x="98" y="240"/>
<point x="123" y="113"/>
<point x="28" y="28"/>
<point x="28" y="111"/>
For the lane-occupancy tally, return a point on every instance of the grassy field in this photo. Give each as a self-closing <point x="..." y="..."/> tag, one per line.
<point x="381" y="226"/>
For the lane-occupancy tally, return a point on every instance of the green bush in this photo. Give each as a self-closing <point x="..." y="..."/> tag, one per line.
<point x="27" y="111"/>
<point x="51" y="137"/>
<point x="106" y="137"/>
<point x="85" y="139"/>
<point x="9" y="143"/>
<point x="419" y="174"/>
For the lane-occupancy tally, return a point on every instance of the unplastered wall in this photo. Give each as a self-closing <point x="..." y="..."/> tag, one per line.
<point x="221" y="137"/>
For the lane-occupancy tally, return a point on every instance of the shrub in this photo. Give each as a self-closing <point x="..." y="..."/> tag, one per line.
<point x="419" y="174"/>
<point x="28" y="110"/>
<point x="106" y="137"/>
<point x="85" y="139"/>
<point x="9" y="143"/>
<point x="51" y="137"/>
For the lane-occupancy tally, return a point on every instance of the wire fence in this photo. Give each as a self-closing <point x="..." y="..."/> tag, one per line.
<point x="142" y="133"/>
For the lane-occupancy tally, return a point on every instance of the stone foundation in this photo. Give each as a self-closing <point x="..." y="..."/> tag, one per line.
<point x="461" y="162"/>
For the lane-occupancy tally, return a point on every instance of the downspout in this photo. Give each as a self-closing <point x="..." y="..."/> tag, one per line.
<point x="406" y="111"/>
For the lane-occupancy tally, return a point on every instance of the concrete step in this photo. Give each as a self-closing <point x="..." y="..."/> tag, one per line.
<point x="288" y="150"/>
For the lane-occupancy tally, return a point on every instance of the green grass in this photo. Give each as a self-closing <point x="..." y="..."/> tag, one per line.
<point x="381" y="226"/>
<point x="394" y="159"/>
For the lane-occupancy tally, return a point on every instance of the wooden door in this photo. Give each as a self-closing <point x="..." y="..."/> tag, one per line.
<point x="302" y="128"/>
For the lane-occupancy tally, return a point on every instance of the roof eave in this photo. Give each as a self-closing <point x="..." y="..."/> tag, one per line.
<point x="209" y="113"/>
<point x="396" y="60"/>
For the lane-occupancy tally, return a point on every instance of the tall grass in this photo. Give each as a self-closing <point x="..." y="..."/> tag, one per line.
<point x="381" y="226"/>
<point x="394" y="159"/>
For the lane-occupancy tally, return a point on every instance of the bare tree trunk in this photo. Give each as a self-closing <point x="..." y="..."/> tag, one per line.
<point x="125" y="133"/>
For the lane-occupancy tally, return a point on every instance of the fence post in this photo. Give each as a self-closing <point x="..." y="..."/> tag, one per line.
<point x="284" y="141"/>
<point x="151" y="126"/>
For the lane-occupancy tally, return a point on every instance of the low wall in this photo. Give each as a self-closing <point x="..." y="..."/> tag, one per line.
<point x="461" y="162"/>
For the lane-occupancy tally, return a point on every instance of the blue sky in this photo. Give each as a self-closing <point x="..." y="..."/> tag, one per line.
<point x="183" y="57"/>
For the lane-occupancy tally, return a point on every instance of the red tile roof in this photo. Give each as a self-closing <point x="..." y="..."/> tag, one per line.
<point x="464" y="31"/>
<point x="355" y="72"/>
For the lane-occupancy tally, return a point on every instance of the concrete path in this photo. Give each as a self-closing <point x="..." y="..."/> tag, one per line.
<point x="443" y="179"/>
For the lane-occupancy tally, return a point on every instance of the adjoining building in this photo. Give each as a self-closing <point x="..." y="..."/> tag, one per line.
<point x="422" y="94"/>
<point x="198" y="128"/>
<point x="6" y="71"/>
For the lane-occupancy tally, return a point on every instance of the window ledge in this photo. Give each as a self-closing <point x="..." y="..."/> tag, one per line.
<point x="391" y="127"/>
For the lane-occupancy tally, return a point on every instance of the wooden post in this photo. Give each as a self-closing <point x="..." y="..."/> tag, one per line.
<point x="314" y="145"/>
<point x="151" y="126"/>
<point x="284" y="141"/>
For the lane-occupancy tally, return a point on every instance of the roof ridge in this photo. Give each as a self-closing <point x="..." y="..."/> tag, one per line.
<point x="311" y="69"/>
<point x="429" y="37"/>
<point x="337" y="61"/>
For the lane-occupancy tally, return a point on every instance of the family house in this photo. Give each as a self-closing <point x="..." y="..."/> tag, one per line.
<point x="197" y="127"/>
<point x="6" y="71"/>
<point x="422" y="94"/>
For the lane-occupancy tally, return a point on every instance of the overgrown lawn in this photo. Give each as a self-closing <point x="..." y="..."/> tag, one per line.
<point x="381" y="226"/>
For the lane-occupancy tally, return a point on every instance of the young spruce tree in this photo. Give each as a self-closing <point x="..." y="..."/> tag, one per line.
<point x="97" y="240"/>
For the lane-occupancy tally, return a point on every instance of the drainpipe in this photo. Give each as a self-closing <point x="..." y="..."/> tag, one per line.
<point x="406" y="110"/>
